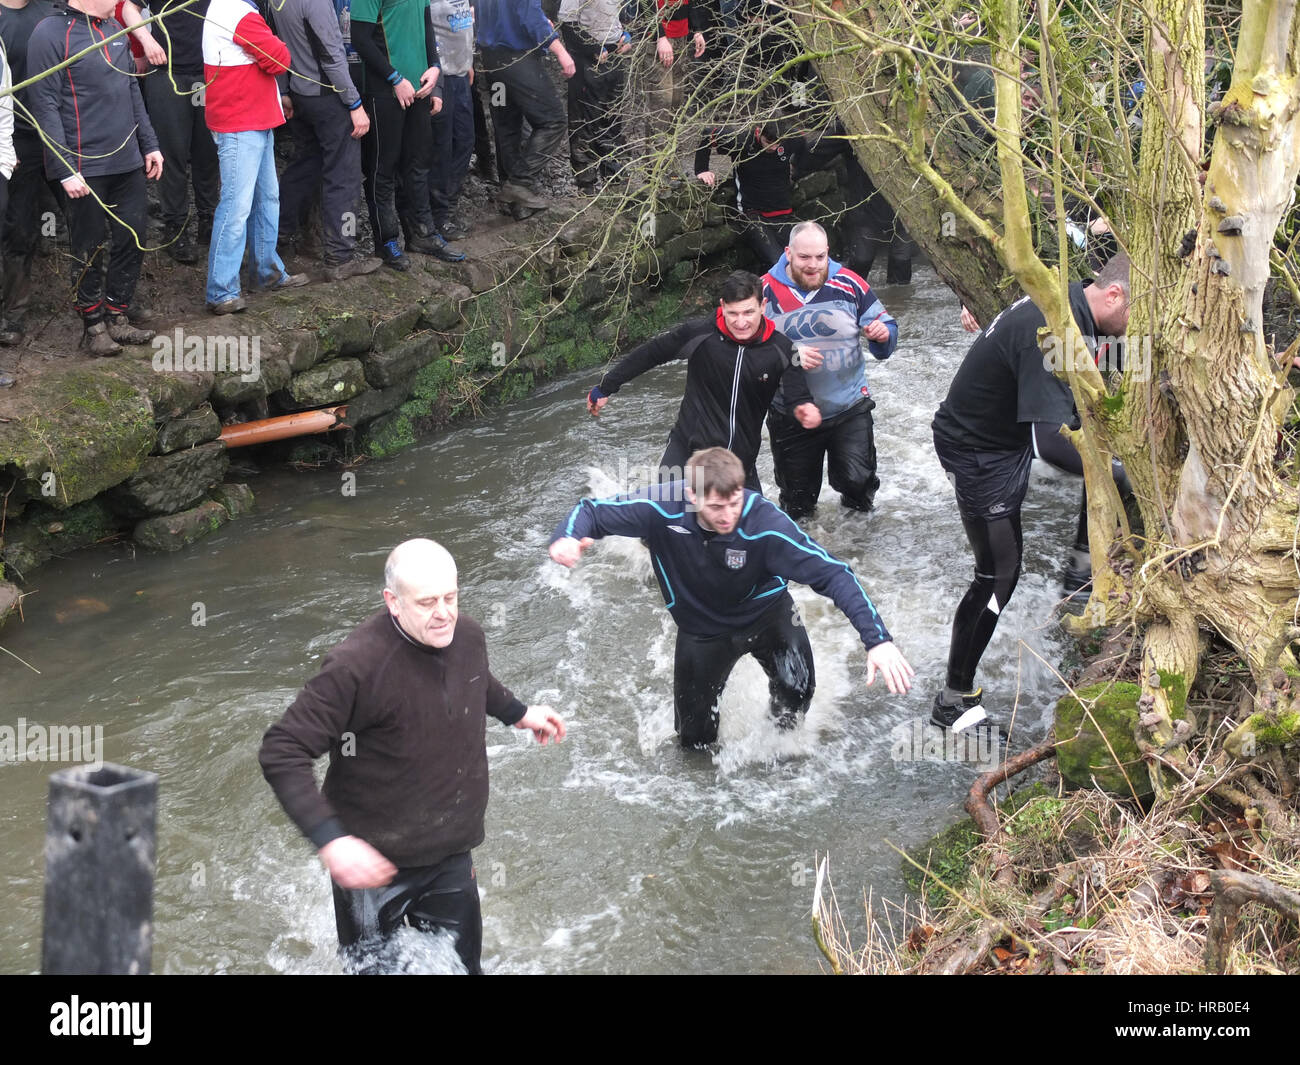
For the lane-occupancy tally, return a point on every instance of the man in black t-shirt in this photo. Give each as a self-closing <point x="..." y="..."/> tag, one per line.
<point x="1003" y="398"/>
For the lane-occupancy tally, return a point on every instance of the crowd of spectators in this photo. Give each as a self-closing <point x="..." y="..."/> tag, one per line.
<point x="385" y="101"/>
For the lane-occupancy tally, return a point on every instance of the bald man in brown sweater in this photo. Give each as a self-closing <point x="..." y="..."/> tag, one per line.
<point x="401" y="707"/>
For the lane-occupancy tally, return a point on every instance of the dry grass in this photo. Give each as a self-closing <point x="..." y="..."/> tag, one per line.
<point x="1102" y="887"/>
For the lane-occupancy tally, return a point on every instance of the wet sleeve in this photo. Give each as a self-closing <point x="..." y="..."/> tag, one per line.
<point x="654" y="352"/>
<point x="793" y="554"/>
<point x="314" y="722"/>
<point x="619" y="516"/>
<point x="502" y="703"/>
<point x="794" y="385"/>
<point x="873" y="310"/>
<point x="1053" y="447"/>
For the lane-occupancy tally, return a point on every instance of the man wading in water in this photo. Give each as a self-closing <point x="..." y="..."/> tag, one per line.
<point x="736" y="362"/>
<point x="400" y="706"/>
<point x="722" y="560"/>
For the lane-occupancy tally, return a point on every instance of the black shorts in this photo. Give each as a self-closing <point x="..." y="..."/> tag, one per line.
<point x="989" y="484"/>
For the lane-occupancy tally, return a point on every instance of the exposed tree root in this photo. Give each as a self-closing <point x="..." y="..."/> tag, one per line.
<point x="978" y="806"/>
<point x="1232" y="890"/>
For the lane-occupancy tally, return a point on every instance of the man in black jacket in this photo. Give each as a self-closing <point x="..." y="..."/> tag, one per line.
<point x="722" y="558"/>
<point x="736" y="361"/>
<point x="400" y="706"/>
<point x="98" y="139"/>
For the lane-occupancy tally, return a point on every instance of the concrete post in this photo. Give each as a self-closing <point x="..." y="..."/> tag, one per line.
<point x="99" y="870"/>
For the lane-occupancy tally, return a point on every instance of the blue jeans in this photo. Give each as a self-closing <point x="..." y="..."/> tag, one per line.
<point x="249" y="207"/>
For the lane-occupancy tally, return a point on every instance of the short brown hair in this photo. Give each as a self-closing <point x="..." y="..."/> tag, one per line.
<point x="1115" y="272"/>
<point x="714" y="471"/>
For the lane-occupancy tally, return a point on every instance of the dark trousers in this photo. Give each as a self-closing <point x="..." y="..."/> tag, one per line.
<point x="90" y="229"/>
<point x="185" y="142"/>
<point x="998" y="547"/>
<point x="482" y="132"/>
<point x="673" y="464"/>
<point x="766" y="237"/>
<point x="594" y="94"/>
<point x="519" y="89"/>
<point x="396" y="150"/>
<point x="23" y="223"/>
<point x="428" y="897"/>
<point x="453" y="145"/>
<point x="848" y="444"/>
<point x="326" y="158"/>
<point x="701" y="665"/>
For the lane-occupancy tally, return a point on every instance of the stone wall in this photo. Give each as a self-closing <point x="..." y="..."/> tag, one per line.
<point x="129" y="446"/>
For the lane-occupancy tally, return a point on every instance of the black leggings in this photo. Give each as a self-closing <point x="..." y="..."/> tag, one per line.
<point x="427" y="897"/>
<point x="997" y="545"/>
<point x="779" y="643"/>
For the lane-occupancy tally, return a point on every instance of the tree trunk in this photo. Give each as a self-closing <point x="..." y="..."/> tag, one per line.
<point x="870" y="90"/>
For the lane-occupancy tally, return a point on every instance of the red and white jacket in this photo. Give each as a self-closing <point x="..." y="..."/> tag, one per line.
<point x="241" y="57"/>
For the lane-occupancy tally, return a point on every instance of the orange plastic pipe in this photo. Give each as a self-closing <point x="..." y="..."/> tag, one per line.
<point x="281" y="428"/>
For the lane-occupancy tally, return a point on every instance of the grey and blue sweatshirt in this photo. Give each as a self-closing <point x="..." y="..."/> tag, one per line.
<point x="830" y="320"/>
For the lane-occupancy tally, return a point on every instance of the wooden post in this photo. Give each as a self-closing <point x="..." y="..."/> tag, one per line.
<point x="99" y="870"/>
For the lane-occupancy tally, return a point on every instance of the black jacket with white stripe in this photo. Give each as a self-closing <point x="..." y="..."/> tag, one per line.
<point x="715" y="583"/>
<point x="729" y="384"/>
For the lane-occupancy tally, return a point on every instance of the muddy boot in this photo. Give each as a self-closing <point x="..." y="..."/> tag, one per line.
<point x="98" y="342"/>
<point x="17" y="295"/>
<point x="121" y="330"/>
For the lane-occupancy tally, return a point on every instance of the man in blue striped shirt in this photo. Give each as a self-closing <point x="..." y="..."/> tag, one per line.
<point x="722" y="556"/>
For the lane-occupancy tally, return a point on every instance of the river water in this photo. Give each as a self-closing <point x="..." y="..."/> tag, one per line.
<point x="614" y="852"/>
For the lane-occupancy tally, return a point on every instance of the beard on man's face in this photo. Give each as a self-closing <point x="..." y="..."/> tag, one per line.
<point x="810" y="277"/>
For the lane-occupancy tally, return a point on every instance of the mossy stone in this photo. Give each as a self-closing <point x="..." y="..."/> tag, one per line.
<point x="1084" y="757"/>
<point x="335" y="381"/>
<point x="236" y="498"/>
<point x="171" y="532"/>
<point x="190" y="429"/>
<point x="91" y="431"/>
